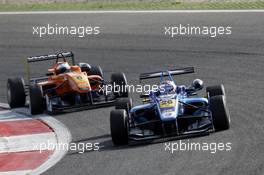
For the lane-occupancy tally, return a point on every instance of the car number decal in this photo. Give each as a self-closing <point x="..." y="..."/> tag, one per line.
<point x="167" y="103"/>
<point x="78" y="79"/>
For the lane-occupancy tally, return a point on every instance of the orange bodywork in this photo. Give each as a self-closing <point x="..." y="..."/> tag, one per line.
<point x="74" y="81"/>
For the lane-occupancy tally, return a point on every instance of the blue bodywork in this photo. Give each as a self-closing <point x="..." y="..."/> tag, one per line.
<point x="174" y="113"/>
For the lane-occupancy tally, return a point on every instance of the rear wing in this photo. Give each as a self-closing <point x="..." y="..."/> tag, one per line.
<point x="158" y="74"/>
<point x="62" y="55"/>
<point x="51" y="57"/>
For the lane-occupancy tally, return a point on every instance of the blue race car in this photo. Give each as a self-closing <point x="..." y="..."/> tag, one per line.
<point x="170" y="112"/>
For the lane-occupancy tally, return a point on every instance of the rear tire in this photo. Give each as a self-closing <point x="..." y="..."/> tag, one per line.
<point x="96" y="70"/>
<point x="220" y="113"/>
<point x="119" y="80"/>
<point x="215" y="90"/>
<point x="124" y="103"/>
<point x="16" y="95"/>
<point x="119" y="127"/>
<point x="36" y="99"/>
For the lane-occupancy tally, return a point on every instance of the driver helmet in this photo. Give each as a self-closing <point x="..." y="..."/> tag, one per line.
<point x="197" y="84"/>
<point x="167" y="87"/>
<point x="62" y="68"/>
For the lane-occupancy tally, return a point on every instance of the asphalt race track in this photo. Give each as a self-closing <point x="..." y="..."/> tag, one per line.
<point x="135" y="43"/>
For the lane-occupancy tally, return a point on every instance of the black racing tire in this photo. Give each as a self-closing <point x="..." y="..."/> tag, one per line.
<point x="85" y="67"/>
<point x="124" y="103"/>
<point x="96" y="70"/>
<point x="220" y="113"/>
<point x="119" y="82"/>
<point x="16" y="95"/>
<point x="215" y="90"/>
<point x="36" y="99"/>
<point x="119" y="127"/>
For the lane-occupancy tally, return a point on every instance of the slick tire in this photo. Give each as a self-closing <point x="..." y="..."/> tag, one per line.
<point x="119" y="83"/>
<point x="220" y="113"/>
<point x="16" y="95"/>
<point x="215" y="90"/>
<point x="119" y="127"/>
<point x="124" y="103"/>
<point x="36" y="99"/>
<point x="96" y="70"/>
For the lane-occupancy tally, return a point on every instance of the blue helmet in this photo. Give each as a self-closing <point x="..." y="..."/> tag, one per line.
<point x="167" y="87"/>
<point x="62" y="68"/>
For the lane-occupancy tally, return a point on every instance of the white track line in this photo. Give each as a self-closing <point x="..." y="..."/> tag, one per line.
<point x="27" y="142"/>
<point x="12" y="116"/>
<point x="15" y="172"/>
<point x="4" y="105"/>
<point x="131" y="11"/>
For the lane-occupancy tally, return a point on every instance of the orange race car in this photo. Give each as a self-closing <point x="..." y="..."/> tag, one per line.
<point x="65" y="87"/>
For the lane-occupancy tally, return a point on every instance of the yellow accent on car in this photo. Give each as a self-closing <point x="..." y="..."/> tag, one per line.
<point x="167" y="103"/>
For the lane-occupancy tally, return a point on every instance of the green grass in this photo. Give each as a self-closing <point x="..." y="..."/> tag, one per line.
<point x="140" y="5"/>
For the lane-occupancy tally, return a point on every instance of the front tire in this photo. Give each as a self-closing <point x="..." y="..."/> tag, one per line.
<point x="215" y="90"/>
<point x="124" y="103"/>
<point x="96" y="70"/>
<point x="220" y="113"/>
<point x="16" y="95"/>
<point x="119" y="127"/>
<point x="119" y="83"/>
<point x="36" y="99"/>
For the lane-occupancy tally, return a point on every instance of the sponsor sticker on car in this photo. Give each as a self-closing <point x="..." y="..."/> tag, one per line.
<point x="167" y="103"/>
